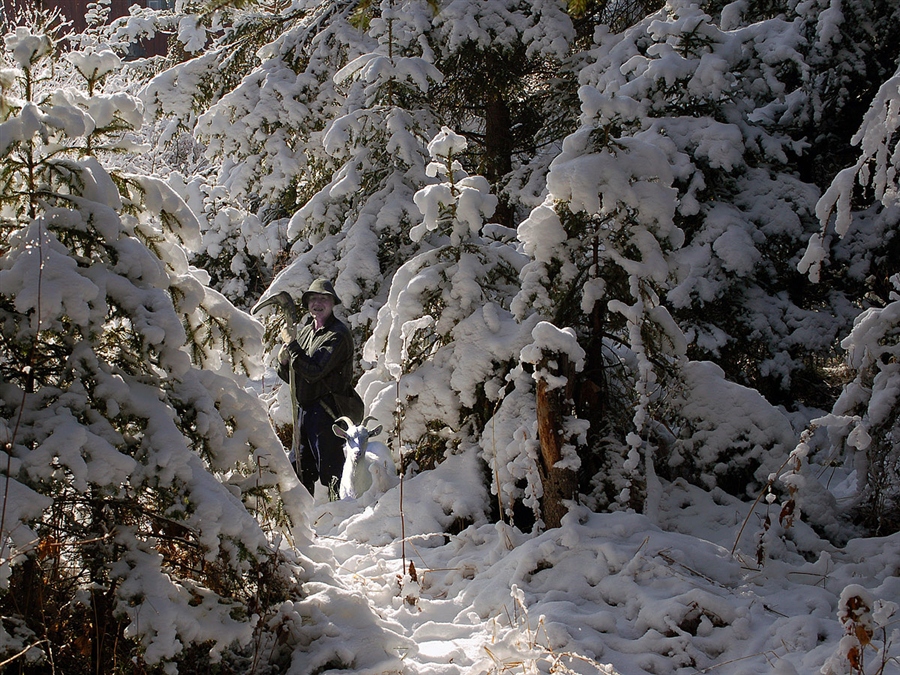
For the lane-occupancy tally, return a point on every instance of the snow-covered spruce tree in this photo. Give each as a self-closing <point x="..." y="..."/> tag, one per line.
<point x="294" y="139"/>
<point x="510" y="84"/>
<point x="851" y="52"/>
<point x="862" y="209"/>
<point x="600" y="249"/>
<point x="732" y="115"/>
<point x="733" y="119"/>
<point x="214" y="49"/>
<point x="672" y="197"/>
<point x="333" y="123"/>
<point x="671" y="72"/>
<point x="261" y="116"/>
<point x="237" y="250"/>
<point x="130" y="474"/>
<point x="241" y="249"/>
<point x="445" y="338"/>
<point x="509" y="87"/>
<point x="354" y="229"/>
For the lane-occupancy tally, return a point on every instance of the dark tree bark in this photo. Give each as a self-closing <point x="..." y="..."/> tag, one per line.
<point x="498" y="149"/>
<point x="559" y="484"/>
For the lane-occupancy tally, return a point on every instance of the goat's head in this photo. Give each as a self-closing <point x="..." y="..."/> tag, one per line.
<point x="355" y="436"/>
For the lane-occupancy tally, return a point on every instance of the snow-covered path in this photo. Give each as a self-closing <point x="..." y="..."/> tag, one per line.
<point x="442" y="641"/>
<point x="437" y="633"/>
<point x="605" y="594"/>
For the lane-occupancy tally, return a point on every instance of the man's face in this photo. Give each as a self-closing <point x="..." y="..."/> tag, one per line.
<point x="320" y="305"/>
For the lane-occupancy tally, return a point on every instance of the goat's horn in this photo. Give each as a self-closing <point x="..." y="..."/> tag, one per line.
<point x="368" y="419"/>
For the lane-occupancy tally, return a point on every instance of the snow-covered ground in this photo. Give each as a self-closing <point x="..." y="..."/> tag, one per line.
<point x="606" y="593"/>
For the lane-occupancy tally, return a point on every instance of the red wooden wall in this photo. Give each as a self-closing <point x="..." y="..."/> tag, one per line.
<point x="74" y="11"/>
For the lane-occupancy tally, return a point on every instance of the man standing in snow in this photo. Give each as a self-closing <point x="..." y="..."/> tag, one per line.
<point x="321" y="357"/>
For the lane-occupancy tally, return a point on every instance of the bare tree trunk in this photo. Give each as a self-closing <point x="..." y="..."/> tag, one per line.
<point x="591" y="392"/>
<point x="498" y="149"/>
<point x="559" y="483"/>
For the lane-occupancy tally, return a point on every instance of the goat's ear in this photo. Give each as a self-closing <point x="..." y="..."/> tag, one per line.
<point x="372" y="432"/>
<point x="339" y="430"/>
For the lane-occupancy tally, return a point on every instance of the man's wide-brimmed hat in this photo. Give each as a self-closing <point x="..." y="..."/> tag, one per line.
<point x="321" y="286"/>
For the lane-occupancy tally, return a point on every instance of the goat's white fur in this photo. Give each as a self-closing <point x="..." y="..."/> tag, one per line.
<point x="368" y="465"/>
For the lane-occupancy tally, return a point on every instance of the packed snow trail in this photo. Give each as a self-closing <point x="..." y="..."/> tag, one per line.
<point x="440" y="644"/>
<point x="446" y="631"/>
<point x="438" y="634"/>
<point x="605" y="593"/>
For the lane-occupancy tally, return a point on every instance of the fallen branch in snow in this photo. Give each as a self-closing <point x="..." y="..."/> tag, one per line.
<point x="669" y="559"/>
<point x="12" y="658"/>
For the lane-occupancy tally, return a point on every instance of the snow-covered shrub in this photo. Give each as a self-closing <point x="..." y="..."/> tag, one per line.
<point x="729" y="436"/>
<point x="865" y="621"/>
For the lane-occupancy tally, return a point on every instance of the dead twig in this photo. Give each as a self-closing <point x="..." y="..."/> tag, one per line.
<point x="3" y="664"/>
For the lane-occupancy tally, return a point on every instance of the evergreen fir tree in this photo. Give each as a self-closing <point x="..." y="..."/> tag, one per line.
<point x="861" y="230"/>
<point x="601" y="247"/>
<point x="445" y="337"/>
<point x="353" y="228"/>
<point x="672" y="227"/>
<point x="132" y="475"/>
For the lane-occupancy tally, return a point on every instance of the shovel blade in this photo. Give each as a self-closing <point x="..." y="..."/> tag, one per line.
<point x="284" y="301"/>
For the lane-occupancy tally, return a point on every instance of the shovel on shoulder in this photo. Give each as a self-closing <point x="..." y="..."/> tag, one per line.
<point x="286" y="304"/>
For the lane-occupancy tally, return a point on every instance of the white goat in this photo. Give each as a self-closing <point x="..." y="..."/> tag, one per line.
<point x="368" y="465"/>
